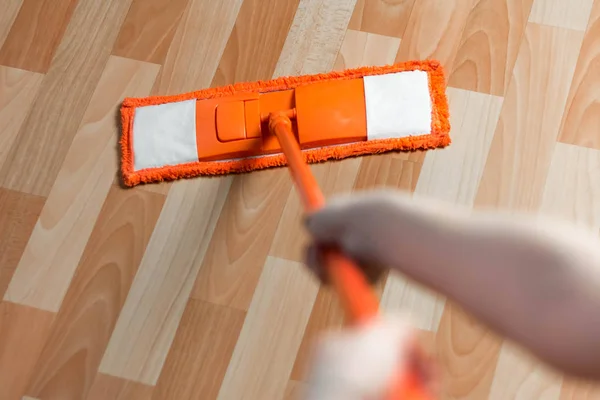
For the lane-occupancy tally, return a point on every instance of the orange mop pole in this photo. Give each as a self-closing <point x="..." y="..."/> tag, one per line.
<point x="357" y="298"/>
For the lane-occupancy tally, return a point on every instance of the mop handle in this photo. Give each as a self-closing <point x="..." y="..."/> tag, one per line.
<point x="356" y="295"/>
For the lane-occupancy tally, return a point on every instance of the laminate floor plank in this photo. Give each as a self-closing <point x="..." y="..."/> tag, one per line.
<point x="18" y="90"/>
<point x="39" y="150"/>
<point x="382" y="17"/>
<point x="57" y="242"/>
<point x="36" y="33"/>
<point x="76" y="343"/>
<point x="148" y="29"/>
<point x="580" y="123"/>
<point x="529" y="121"/>
<point x="489" y="45"/>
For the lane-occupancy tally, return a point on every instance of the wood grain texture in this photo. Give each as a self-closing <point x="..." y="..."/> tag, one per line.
<point x="259" y="31"/>
<point x="18" y="89"/>
<point x="563" y="14"/>
<point x="291" y="240"/>
<point x="453" y="174"/>
<point x="109" y="387"/>
<point x="294" y="391"/>
<point x="83" y="326"/>
<point x="147" y="324"/>
<point x="572" y="190"/>
<point x="315" y="37"/>
<point x="61" y="233"/>
<point x="23" y="332"/>
<point x="36" y="34"/>
<point x="434" y="30"/>
<point x="45" y="137"/>
<point x="468" y="353"/>
<point x="361" y="49"/>
<point x="197" y="46"/>
<point x="264" y="355"/>
<point x="489" y="45"/>
<point x="579" y="390"/>
<point x="394" y="171"/>
<point x="518" y="376"/>
<point x="326" y="315"/>
<point x="581" y="121"/>
<point x="18" y="215"/>
<point x="201" y="351"/>
<point x="383" y="17"/>
<point x="7" y="18"/>
<point x="530" y="119"/>
<point x="421" y="305"/>
<point x="241" y="240"/>
<point x="148" y="29"/>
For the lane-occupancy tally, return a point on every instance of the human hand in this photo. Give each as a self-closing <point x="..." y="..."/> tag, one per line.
<point x="376" y="229"/>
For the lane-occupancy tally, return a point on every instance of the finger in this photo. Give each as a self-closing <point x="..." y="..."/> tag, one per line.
<point x="329" y="224"/>
<point x="314" y="262"/>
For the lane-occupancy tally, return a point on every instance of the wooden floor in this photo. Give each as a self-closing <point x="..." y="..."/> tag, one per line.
<point x="196" y="289"/>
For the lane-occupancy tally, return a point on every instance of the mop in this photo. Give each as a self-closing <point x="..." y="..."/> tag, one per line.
<point x="293" y="121"/>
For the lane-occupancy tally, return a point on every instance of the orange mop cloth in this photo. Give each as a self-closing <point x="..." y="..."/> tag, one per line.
<point x="224" y="130"/>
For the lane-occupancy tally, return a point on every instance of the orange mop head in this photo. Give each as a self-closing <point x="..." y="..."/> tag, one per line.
<point x="336" y="115"/>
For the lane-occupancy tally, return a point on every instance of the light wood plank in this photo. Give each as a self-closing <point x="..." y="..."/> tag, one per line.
<point x="572" y="190"/>
<point x="109" y="387"/>
<point x="315" y="37"/>
<point x="581" y="120"/>
<point x="518" y="376"/>
<point x="18" y="89"/>
<point x="197" y="46"/>
<point x="382" y="17"/>
<point x="453" y="174"/>
<point x="23" y="332"/>
<point x="200" y="353"/>
<point x="529" y="121"/>
<point x="579" y="390"/>
<point x="153" y="309"/>
<point x="241" y="240"/>
<point x="394" y="170"/>
<point x="361" y="49"/>
<point x="434" y="30"/>
<point x="148" y="29"/>
<point x="18" y="215"/>
<point x="423" y="306"/>
<point x="489" y="45"/>
<point x="60" y="235"/>
<point x="468" y="354"/>
<point x="84" y="324"/>
<point x="572" y="14"/>
<point x="260" y="31"/>
<point x="294" y="391"/>
<point x="291" y="239"/>
<point x="36" y="34"/>
<point x="45" y="138"/>
<point x="7" y="18"/>
<point x="326" y="315"/>
<point x="159" y="187"/>
<point x="265" y="352"/>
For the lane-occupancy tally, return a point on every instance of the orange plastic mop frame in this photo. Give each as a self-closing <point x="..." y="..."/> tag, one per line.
<point x="439" y="136"/>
